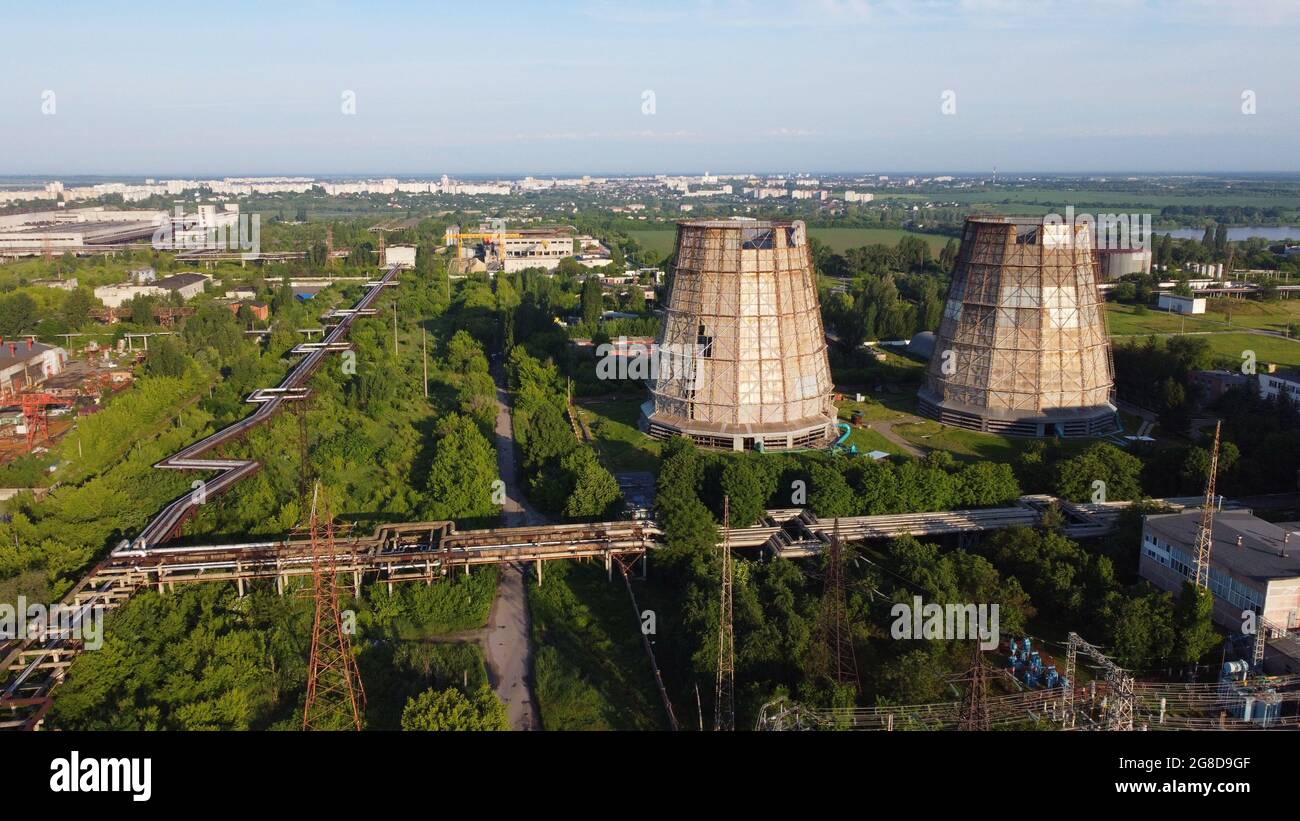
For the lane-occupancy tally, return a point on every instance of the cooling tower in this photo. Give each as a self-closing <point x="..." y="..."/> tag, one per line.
<point x="1022" y="347"/>
<point x="742" y="355"/>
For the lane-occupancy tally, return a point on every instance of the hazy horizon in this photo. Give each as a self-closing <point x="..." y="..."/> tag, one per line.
<point x="1131" y="87"/>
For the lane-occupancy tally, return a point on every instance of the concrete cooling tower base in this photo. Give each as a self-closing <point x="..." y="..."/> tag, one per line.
<point x="1074" y="422"/>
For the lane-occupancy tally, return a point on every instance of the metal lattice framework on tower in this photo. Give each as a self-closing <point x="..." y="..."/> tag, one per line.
<point x="1022" y="347"/>
<point x="335" y="696"/>
<point x="1119" y="684"/>
<point x="835" y="657"/>
<point x="975" y="705"/>
<point x="1205" y="532"/>
<point x="742" y="352"/>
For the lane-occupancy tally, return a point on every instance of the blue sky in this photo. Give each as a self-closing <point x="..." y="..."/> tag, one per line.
<point x="502" y="87"/>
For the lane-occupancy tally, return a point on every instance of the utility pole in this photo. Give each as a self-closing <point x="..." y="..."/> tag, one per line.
<point x="1205" y="533"/>
<point x="424" y="337"/>
<point x="394" y="328"/>
<point x="724" y="708"/>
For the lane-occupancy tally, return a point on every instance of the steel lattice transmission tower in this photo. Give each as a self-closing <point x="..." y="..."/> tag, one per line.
<point x="1205" y="533"/>
<point x="724" y="706"/>
<point x="837" y="660"/>
<point x="975" y="705"/>
<point x="335" y="697"/>
<point x="1119" y="708"/>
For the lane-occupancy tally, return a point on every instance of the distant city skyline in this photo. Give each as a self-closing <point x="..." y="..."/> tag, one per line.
<point x="510" y="89"/>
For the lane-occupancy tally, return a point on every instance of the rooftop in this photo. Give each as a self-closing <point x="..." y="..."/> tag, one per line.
<point x="179" y="280"/>
<point x="16" y="351"/>
<point x="1258" y="558"/>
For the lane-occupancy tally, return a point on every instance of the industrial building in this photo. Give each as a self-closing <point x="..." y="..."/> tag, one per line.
<point x="1174" y="303"/>
<point x="188" y="285"/>
<point x="27" y="363"/>
<point x="1116" y="263"/>
<point x="1280" y="382"/>
<point x="502" y="249"/>
<point x="1022" y="347"/>
<point x="403" y="256"/>
<point x="1254" y="564"/>
<point x="742" y="353"/>
<point x="71" y="231"/>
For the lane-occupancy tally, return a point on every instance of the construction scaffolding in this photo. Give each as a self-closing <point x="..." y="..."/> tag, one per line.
<point x="1022" y="347"/>
<point x="742" y="353"/>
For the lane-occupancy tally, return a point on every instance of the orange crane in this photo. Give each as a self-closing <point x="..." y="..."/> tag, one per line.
<point x="36" y="414"/>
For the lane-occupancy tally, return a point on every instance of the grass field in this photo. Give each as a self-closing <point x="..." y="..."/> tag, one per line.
<point x="963" y="444"/>
<point x="1222" y="315"/>
<point x="660" y="241"/>
<point x="618" y="442"/>
<point x="590" y="669"/>
<point x="867" y="440"/>
<point x="1123" y="320"/>
<point x="1283" y="352"/>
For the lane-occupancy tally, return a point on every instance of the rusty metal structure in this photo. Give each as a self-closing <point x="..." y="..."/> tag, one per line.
<point x="833" y="654"/>
<point x="1022" y="348"/>
<point x="336" y="698"/>
<point x="741" y="355"/>
<point x="974" y="715"/>
<point x="36" y="415"/>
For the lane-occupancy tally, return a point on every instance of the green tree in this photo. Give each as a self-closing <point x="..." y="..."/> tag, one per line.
<point x="76" y="309"/>
<point x="166" y="358"/>
<point x="829" y="494"/>
<point x="593" y="300"/>
<point x="462" y="472"/>
<point x="1120" y="471"/>
<point x="451" y="710"/>
<point x="1193" y="625"/>
<point x="465" y="354"/>
<point x="595" y="491"/>
<point x="743" y="482"/>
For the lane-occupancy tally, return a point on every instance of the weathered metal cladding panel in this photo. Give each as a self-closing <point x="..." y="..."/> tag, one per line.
<point x="744" y="302"/>
<point x="1023" y="332"/>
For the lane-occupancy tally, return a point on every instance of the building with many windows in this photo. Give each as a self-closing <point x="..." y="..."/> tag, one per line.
<point x="1254" y="564"/>
<point x="1272" y="384"/>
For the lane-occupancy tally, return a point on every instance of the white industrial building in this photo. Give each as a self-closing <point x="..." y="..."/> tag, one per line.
<point x="403" y="256"/>
<point x="1182" y="304"/>
<point x="72" y="230"/>
<point x="1287" y="382"/>
<point x="27" y="363"/>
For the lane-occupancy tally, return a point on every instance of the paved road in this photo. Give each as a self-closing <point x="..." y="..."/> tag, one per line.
<point x="508" y="635"/>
